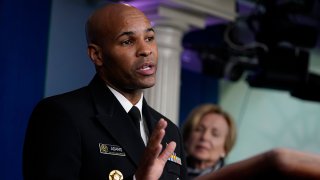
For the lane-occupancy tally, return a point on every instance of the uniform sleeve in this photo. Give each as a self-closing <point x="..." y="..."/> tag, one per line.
<point x="52" y="147"/>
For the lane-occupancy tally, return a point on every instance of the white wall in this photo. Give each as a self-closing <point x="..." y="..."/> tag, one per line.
<point x="271" y="118"/>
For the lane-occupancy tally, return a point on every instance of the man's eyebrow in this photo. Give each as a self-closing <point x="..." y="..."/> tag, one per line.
<point x="150" y="29"/>
<point x="130" y="33"/>
<point x="127" y="33"/>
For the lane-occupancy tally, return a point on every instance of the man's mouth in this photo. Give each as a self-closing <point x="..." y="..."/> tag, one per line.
<point x="146" y="69"/>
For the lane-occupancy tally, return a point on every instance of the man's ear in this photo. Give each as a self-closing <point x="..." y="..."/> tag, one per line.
<point x="95" y="54"/>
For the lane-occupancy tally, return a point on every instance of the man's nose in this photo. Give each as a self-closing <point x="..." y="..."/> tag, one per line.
<point x="144" y="49"/>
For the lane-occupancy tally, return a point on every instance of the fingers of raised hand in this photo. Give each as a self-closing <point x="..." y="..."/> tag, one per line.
<point x="157" y="135"/>
<point x="167" y="152"/>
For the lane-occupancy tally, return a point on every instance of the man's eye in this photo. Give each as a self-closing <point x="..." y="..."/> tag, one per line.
<point x="126" y="42"/>
<point x="150" y="38"/>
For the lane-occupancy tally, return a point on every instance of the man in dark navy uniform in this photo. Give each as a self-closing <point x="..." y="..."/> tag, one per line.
<point x="90" y="133"/>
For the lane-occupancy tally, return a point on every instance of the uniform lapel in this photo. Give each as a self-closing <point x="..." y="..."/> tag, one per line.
<point x="150" y="120"/>
<point x="115" y="120"/>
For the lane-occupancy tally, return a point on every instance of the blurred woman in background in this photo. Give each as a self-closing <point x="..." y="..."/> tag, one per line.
<point x="209" y="134"/>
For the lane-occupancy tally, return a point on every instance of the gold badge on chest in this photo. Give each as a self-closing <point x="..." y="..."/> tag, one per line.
<point x="115" y="175"/>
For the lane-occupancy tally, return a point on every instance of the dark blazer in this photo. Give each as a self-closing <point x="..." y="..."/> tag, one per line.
<point x="86" y="134"/>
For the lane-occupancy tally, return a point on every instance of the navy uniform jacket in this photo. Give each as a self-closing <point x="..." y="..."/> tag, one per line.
<point x="86" y="134"/>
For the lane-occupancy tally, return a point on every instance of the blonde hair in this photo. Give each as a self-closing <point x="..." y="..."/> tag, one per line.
<point x="199" y="112"/>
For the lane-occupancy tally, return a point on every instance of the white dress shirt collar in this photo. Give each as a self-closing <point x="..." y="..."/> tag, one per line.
<point x="126" y="104"/>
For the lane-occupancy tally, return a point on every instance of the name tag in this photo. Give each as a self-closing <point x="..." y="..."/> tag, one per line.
<point x="111" y="149"/>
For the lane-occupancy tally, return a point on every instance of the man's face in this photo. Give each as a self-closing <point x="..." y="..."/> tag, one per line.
<point x="129" y="52"/>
